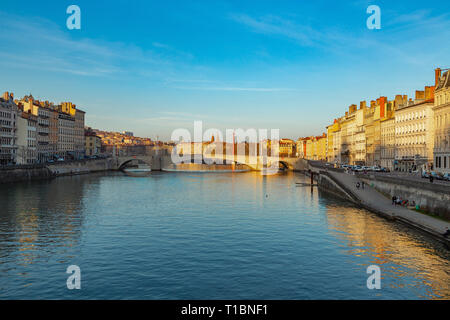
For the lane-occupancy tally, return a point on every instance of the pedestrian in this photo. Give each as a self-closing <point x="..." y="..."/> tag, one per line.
<point x="431" y="178"/>
<point x="447" y="233"/>
<point x="362" y="184"/>
<point x="393" y="199"/>
<point x="357" y="185"/>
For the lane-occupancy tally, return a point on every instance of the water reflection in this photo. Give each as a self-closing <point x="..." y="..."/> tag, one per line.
<point x="42" y="218"/>
<point x="407" y="256"/>
<point x="179" y="235"/>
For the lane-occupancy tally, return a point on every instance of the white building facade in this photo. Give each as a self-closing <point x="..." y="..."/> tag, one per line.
<point x="8" y="127"/>
<point x="414" y="136"/>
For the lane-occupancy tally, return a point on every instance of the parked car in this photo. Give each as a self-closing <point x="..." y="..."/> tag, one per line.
<point x="435" y="175"/>
<point x="438" y="176"/>
<point x="425" y="174"/>
<point x="50" y="161"/>
<point x="60" y="159"/>
<point x="383" y="169"/>
<point x="446" y="176"/>
<point x="376" y="168"/>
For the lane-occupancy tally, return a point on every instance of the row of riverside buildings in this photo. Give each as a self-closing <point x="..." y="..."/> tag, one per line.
<point x="33" y="131"/>
<point x="400" y="134"/>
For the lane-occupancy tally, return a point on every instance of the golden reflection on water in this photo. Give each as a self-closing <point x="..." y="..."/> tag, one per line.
<point x="399" y="251"/>
<point x="51" y="220"/>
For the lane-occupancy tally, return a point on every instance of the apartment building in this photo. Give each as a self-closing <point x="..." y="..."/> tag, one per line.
<point x="42" y="111"/>
<point x="66" y="135"/>
<point x="286" y="147"/>
<point x="93" y="143"/>
<point x="53" y="132"/>
<point x="27" y="138"/>
<point x="414" y="133"/>
<point x="360" y="135"/>
<point x="8" y="126"/>
<point x="332" y="147"/>
<point x="301" y="147"/>
<point x="441" y="113"/>
<point x="347" y="137"/>
<point x="79" y="137"/>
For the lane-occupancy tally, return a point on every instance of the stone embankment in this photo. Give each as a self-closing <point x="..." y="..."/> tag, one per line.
<point x="49" y="171"/>
<point x="376" y="197"/>
<point x="433" y="198"/>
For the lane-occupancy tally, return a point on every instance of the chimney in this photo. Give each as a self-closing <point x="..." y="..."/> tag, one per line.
<point x="372" y="103"/>
<point x="429" y="92"/>
<point x="352" y="108"/>
<point x="382" y="103"/>
<point x="362" y="104"/>
<point x="420" y="94"/>
<point x="437" y="76"/>
<point x="398" y="99"/>
<point x="6" y="95"/>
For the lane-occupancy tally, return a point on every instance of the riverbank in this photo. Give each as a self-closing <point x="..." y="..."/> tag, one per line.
<point x="370" y="198"/>
<point x="50" y="171"/>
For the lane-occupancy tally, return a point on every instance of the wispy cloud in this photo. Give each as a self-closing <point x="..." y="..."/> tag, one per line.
<point x="393" y="40"/>
<point x="236" y="89"/>
<point x="274" y="25"/>
<point x="39" y="44"/>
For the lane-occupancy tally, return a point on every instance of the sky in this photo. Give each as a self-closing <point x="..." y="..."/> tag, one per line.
<point x="154" y="66"/>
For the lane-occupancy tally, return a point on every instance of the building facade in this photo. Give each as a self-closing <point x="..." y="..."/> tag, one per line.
<point x="414" y="131"/>
<point x="286" y="147"/>
<point x="27" y="138"/>
<point x="79" y="143"/>
<point x="332" y="147"/>
<point x="347" y="137"/>
<point x="360" y="135"/>
<point x="387" y="127"/>
<point x="93" y="143"/>
<point x="441" y="113"/>
<point x="66" y="135"/>
<point x="8" y="127"/>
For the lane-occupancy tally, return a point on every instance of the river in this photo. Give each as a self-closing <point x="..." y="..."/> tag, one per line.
<point x="206" y="236"/>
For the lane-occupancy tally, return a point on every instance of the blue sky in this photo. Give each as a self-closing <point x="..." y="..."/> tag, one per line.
<point x="154" y="66"/>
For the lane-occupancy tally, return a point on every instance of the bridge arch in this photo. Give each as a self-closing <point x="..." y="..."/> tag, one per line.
<point x="284" y="164"/>
<point x="124" y="162"/>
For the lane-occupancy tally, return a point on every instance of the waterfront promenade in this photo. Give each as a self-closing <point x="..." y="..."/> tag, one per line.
<point x="375" y="201"/>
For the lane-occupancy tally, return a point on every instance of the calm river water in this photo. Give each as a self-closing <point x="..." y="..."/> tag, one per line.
<point x="205" y="236"/>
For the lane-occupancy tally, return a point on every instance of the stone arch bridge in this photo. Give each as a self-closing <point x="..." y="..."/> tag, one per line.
<point x="159" y="162"/>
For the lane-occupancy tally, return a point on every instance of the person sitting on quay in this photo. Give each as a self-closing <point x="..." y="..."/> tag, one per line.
<point x="447" y="233"/>
<point x="394" y="198"/>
